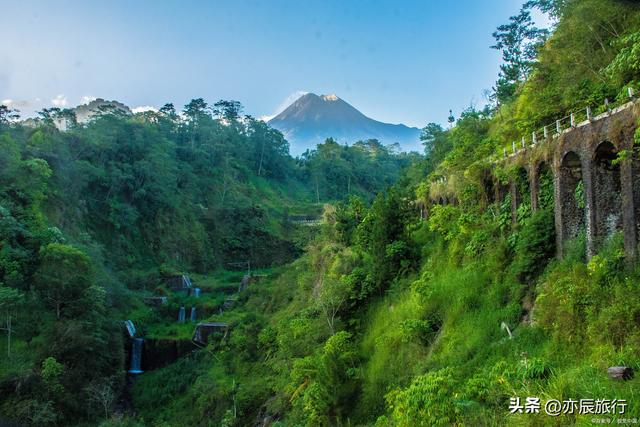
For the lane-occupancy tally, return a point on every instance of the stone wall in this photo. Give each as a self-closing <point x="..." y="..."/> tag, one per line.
<point x="594" y="193"/>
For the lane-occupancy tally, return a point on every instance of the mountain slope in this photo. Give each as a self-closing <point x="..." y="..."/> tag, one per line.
<point x="312" y="118"/>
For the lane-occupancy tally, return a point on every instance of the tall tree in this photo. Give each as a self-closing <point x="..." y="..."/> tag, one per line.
<point x="63" y="280"/>
<point x="7" y="115"/>
<point x="228" y="110"/>
<point x="518" y="41"/>
<point x="195" y="111"/>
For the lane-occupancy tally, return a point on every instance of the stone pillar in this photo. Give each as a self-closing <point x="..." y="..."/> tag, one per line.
<point x="534" y="186"/>
<point x="629" y="185"/>
<point x="515" y="200"/>
<point x="628" y="211"/>
<point x="589" y="200"/>
<point x="557" y="206"/>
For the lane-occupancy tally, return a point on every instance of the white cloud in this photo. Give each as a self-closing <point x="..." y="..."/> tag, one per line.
<point x="24" y="104"/>
<point x="289" y="100"/>
<point x="87" y="99"/>
<point x="284" y="104"/>
<point x="59" y="101"/>
<point x="143" y="108"/>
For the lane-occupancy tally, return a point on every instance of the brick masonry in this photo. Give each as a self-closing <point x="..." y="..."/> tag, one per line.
<point x="611" y="190"/>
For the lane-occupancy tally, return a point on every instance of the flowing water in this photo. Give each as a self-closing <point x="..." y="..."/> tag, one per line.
<point x="136" y="356"/>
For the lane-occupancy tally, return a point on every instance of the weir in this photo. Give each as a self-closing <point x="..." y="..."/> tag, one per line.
<point x="203" y="330"/>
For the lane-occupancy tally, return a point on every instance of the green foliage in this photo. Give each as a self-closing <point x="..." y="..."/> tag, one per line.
<point x="444" y="220"/>
<point x="323" y="384"/>
<point x="578" y="302"/>
<point x="426" y="402"/>
<point x="160" y="388"/>
<point x="568" y="72"/>
<point x="625" y="67"/>
<point x="436" y="145"/>
<point x="545" y="189"/>
<point x="518" y="41"/>
<point x="531" y="369"/>
<point x="51" y="374"/>
<point x="348" y="216"/>
<point x="361" y="169"/>
<point x="423" y="331"/>
<point x="578" y="195"/>
<point x="64" y="280"/>
<point x="9" y="299"/>
<point x="535" y="245"/>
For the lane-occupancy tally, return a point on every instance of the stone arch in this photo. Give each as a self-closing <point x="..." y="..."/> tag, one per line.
<point x="571" y="197"/>
<point x="542" y="190"/>
<point x="488" y="186"/>
<point x="607" y="191"/>
<point x="520" y="191"/>
<point x="522" y="184"/>
<point x="501" y="190"/>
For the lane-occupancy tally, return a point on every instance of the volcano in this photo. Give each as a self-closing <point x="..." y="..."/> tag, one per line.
<point x="313" y="118"/>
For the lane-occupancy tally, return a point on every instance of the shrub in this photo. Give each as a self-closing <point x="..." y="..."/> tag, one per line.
<point x="535" y="245"/>
<point x="428" y="401"/>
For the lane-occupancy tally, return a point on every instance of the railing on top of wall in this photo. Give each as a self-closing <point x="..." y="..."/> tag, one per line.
<point x="567" y="123"/>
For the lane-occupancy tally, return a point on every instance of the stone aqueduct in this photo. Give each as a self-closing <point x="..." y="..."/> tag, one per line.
<point x="598" y="156"/>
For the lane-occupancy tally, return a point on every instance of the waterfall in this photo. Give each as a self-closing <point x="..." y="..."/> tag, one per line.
<point x="181" y="315"/>
<point x="193" y="313"/>
<point x="131" y="329"/>
<point x="196" y="292"/>
<point x="187" y="281"/>
<point x="136" y="356"/>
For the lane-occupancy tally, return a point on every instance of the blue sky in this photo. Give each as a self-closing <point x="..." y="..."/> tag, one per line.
<point x="397" y="61"/>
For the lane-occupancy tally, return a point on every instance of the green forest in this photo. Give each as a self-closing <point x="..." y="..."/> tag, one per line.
<point x="411" y="298"/>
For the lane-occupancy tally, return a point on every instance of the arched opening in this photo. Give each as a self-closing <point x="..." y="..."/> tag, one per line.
<point x="501" y="191"/>
<point x="544" y="184"/>
<point x="607" y="191"/>
<point x="522" y="194"/>
<point x="489" y="189"/>
<point x="572" y="196"/>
